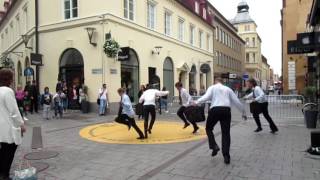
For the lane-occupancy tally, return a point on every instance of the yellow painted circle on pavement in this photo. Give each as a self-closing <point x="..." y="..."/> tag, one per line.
<point x="164" y="132"/>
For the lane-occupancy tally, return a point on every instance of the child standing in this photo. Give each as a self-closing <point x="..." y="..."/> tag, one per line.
<point x="58" y="103"/>
<point x="46" y="99"/>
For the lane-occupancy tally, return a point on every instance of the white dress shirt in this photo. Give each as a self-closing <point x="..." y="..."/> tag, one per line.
<point x="127" y="106"/>
<point x="221" y="96"/>
<point x="149" y="96"/>
<point x="185" y="97"/>
<point x="103" y="93"/>
<point x="259" y="95"/>
<point x="10" y="119"/>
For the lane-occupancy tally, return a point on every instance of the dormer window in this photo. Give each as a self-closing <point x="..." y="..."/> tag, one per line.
<point x="204" y="13"/>
<point x="196" y="6"/>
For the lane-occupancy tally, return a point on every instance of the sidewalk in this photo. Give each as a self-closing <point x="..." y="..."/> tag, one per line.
<point x="253" y="156"/>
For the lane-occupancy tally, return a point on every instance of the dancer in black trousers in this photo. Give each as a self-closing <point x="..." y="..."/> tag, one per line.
<point x="126" y="113"/>
<point x="260" y="105"/>
<point x="221" y="98"/>
<point x="185" y="100"/>
<point x="148" y="99"/>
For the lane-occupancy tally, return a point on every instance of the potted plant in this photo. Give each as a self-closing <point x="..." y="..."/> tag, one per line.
<point x="111" y="48"/>
<point x="310" y="109"/>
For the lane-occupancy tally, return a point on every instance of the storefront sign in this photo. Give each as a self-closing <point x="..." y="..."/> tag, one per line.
<point x="124" y="54"/>
<point x="205" y="68"/>
<point x="245" y="77"/>
<point x="113" y="71"/>
<point x="305" y="43"/>
<point x="232" y="76"/>
<point x="36" y="59"/>
<point x="225" y="75"/>
<point x="96" y="71"/>
<point x="28" y="72"/>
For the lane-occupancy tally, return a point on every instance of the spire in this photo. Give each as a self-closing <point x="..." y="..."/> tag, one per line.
<point x="243" y="6"/>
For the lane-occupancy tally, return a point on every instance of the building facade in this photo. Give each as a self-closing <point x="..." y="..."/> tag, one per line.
<point x="247" y="30"/>
<point x="265" y="75"/>
<point x="294" y="67"/>
<point x="229" y="50"/>
<point x="162" y="41"/>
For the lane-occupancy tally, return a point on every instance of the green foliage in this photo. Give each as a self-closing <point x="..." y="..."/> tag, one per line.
<point x="6" y="62"/>
<point x="310" y="93"/>
<point x="111" y="48"/>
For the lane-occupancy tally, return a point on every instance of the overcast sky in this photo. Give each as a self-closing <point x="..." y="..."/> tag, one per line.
<point x="267" y="16"/>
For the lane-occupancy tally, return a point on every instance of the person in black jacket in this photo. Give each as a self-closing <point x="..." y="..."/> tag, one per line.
<point x="46" y="100"/>
<point x="32" y="95"/>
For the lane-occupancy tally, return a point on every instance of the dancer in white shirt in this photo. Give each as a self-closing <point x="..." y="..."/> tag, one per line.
<point x="185" y="101"/>
<point x="221" y="98"/>
<point x="260" y="105"/>
<point x="148" y="99"/>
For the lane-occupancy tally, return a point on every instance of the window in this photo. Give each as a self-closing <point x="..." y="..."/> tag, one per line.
<point x="192" y="34"/>
<point x="204" y="13"/>
<point x="200" y="39"/>
<point x="219" y="58"/>
<point x="181" y="29"/>
<point x="11" y="33"/>
<point x="151" y="15"/>
<point x="247" y="41"/>
<point x="208" y="42"/>
<point x="220" y="35"/>
<point x="223" y="37"/>
<point x="247" y="57"/>
<point x="167" y="23"/>
<point x="247" y="27"/>
<point x="70" y="9"/>
<point x="18" y="25"/>
<point x="26" y="19"/>
<point x="216" y="33"/>
<point x="196" y="6"/>
<point x="254" y="57"/>
<point x="253" y="42"/>
<point x="129" y="9"/>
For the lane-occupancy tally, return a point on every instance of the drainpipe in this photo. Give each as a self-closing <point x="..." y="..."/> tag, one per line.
<point x="37" y="38"/>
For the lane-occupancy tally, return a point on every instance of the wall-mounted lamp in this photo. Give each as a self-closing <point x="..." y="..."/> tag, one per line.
<point x="90" y="31"/>
<point x="156" y="50"/>
<point x="25" y="39"/>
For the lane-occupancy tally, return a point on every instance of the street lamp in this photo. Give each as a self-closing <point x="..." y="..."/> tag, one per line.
<point x="25" y="39"/>
<point x="156" y="50"/>
<point x="90" y="31"/>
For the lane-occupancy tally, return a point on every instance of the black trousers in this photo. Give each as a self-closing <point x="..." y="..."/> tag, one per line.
<point x="34" y="105"/>
<point x="148" y="109"/>
<point x="222" y="114"/>
<point x="180" y="113"/>
<point x="7" y="152"/>
<point x="126" y="120"/>
<point x="265" y="112"/>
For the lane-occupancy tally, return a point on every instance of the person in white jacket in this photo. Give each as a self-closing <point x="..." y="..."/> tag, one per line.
<point x="11" y="123"/>
<point x="148" y="99"/>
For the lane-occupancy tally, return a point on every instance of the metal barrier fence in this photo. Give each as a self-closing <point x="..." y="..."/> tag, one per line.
<point x="280" y="106"/>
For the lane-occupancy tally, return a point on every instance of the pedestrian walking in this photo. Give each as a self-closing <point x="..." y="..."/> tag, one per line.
<point x="126" y="113"/>
<point x="103" y="99"/>
<point x="164" y="101"/>
<point x="221" y="98"/>
<point x="148" y="99"/>
<point x="65" y="100"/>
<point x="74" y="97"/>
<point x="34" y="97"/>
<point x="58" y="104"/>
<point x="46" y="100"/>
<point x="11" y="124"/>
<point x="26" y="103"/>
<point x="59" y="86"/>
<point x="259" y="105"/>
<point x="185" y="101"/>
<point x="139" y="106"/>
<point x="20" y="94"/>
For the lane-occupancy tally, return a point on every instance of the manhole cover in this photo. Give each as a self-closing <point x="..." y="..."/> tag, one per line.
<point x="41" y="155"/>
<point x="40" y="166"/>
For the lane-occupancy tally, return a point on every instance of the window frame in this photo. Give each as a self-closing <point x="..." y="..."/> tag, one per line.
<point x="201" y="33"/>
<point x="71" y="10"/>
<point x="167" y="12"/>
<point x="128" y="10"/>
<point x="149" y="24"/>
<point x="192" y="29"/>
<point x="181" y="33"/>
<point x="197" y="7"/>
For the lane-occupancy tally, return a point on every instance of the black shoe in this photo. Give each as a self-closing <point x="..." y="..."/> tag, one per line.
<point x="274" y="131"/>
<point x="226" y="159"/>
<point x="215" y="151"/>
<point x="149" y="131"/>
<point x="195" y="130"/>
<point x="258" y="129"/>
<point x="186" y="125"/>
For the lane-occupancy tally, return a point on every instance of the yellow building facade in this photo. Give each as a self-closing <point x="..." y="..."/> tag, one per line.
<point x="294" y="15"/>
<point x="230" y="51"/>
<point x="164" y="41"/>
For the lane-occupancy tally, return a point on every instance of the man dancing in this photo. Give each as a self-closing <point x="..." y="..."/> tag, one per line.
<point x="148" y="99"/>
<point x="221" y="98"/>
<point x="185" y="101"/>
<point x="126" y="113"/>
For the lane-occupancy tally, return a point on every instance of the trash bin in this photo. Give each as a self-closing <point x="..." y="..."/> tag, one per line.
<point x="85" y="105"/>
<point x="310" y="117"/>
